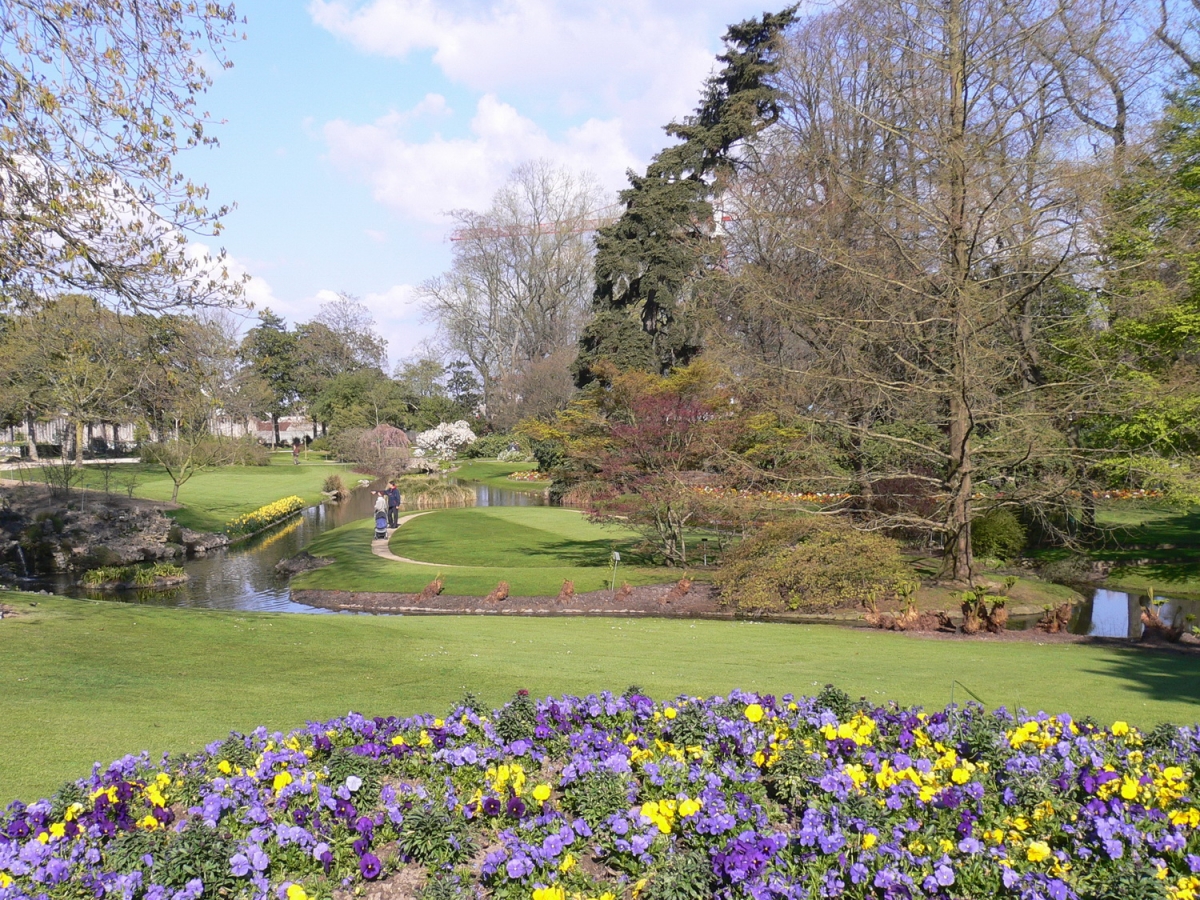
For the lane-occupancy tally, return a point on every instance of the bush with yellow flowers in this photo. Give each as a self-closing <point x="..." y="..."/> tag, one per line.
<point x="264" y="516"/>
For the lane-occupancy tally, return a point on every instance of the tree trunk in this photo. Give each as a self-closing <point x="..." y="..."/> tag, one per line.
<point x="175" y="492"/>
<point x="32" y="436"/>
<point x="79" y="441"/>
<point x="957" y="562"/>
<point x="275" y="425"/>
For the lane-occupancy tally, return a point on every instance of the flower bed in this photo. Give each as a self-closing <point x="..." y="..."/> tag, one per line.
<point x="617" y="797"/>
<point x="265" y="516"/>
<point x="532" y="475"/>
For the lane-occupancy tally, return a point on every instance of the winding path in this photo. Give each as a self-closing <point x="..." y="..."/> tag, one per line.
<point x="381" y="549"/>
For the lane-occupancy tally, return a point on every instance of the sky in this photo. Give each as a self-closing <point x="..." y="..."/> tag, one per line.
<point x="348" y="129"/>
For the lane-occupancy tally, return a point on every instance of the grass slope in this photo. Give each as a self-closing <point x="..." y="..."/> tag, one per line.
<point x="512" y="536"/>
<point x="495" y="474"/>
<point x="87" y="681"/>
<point x="466" y="536"/>
<point x="213" y="497"/>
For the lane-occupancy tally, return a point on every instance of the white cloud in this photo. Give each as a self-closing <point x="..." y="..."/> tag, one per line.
<point x="400" y="319"/>
<point x="426" y="179"/>
<point x="651" y="53"/>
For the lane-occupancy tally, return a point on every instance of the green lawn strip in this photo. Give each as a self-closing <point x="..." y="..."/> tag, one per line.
<point x="512" y="536"/>
<point x="1173" y="579"/>
<point x="358" y="569"/>
<point x="213" y="497"/>
<point x="89" y="681"/>
<point x="495" y="474"/>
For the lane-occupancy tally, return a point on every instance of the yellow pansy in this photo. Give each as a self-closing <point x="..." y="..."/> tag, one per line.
<point x="554" y="892"/>
<point x="296" y="892"/>
<point x="224" y="767"/>
<point x="282" y="780"/>
<point x="869" y="840"/>
<point x="1037" y="851"/>
<point x="754" y="712"/>
<point x="541" y="793"/>
<point x="1120" y="728"/>
<point x="567" y="864"/>
<point x="670" y="712"/>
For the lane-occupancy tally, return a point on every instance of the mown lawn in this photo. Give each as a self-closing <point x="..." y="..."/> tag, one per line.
<point x="533" y="548"/>
<point x="213" y="497"/>
<point x="87" y="681"/>
<point x="516" y="536"/>
<point x="495" y="474"/>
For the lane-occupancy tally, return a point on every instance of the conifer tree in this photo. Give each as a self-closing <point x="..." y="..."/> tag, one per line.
<point x="646" y="260"/>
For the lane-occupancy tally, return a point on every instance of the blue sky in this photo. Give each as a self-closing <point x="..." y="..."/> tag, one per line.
<point x="348" y="128"/>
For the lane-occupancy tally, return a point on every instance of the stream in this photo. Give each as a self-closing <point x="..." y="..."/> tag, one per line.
<point x="243" y="577"/>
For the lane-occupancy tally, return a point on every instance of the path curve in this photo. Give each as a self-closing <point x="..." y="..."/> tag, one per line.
<point x="381" y="549"/>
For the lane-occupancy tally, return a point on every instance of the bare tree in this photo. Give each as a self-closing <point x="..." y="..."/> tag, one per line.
<point x="912" y="256"/>
<point x="521" y="280"/>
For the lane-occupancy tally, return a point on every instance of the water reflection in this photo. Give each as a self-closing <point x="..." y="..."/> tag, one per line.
<point x="486" y="495"/>
<point x="1117" y="614"/>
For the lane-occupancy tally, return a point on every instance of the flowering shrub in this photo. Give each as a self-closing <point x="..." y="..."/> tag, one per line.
<point x="532" y="475"/>
<point x="265" y="515"/>
<point x="445" y="440"/>
<point x="607" y="797"/>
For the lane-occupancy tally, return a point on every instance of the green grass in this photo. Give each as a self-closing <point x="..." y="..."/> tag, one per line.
<point x="88" y="681"/>
<point x="1150" y="530"/>
<point x="211" y="498"/>
<point x="512" y="536"/>
<point x="488" y="543"/>
<point x="495" y="474"/>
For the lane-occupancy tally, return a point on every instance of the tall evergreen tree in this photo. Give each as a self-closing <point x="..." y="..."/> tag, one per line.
<point x="646" y="260"/>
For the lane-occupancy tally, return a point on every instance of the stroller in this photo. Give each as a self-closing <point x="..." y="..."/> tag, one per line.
<point x="380" y="526"/>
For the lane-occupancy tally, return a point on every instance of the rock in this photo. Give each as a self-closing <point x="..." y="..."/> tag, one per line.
<point x="301" y="562"/>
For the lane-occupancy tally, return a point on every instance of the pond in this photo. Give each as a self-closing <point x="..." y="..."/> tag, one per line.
<point x="243" y="577"/>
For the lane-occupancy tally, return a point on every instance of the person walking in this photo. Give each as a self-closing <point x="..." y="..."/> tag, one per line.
<point x="393" y="505"/>
<point x="295" y="451"/>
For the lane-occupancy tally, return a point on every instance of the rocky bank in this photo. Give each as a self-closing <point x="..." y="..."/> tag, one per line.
<point x="43" y="533"/>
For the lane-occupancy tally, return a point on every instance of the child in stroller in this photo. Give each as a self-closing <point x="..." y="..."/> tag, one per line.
<point x="381" y="525"/>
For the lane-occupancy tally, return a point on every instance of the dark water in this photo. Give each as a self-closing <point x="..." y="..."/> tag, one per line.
<point x="243" y="577"/>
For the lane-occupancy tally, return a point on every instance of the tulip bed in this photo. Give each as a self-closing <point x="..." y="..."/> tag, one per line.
<point x="618" y="796"/>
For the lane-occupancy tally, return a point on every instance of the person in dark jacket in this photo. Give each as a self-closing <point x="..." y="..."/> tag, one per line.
<point x="393" y="502"/>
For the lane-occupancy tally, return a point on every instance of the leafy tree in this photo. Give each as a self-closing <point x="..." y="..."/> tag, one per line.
<point x="635" y="447"/>
<point x="361" y="399"/>
<point x="1152" y="303"/>
<point x="270" y="351"/>
<point x="188" y="374"/>
<point x="647" y="260"/>
<point x="71" y="357"/>
<point x="96" y="99"/>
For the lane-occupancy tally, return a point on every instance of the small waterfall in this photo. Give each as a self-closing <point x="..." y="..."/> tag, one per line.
<point x="24" y="564"/>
